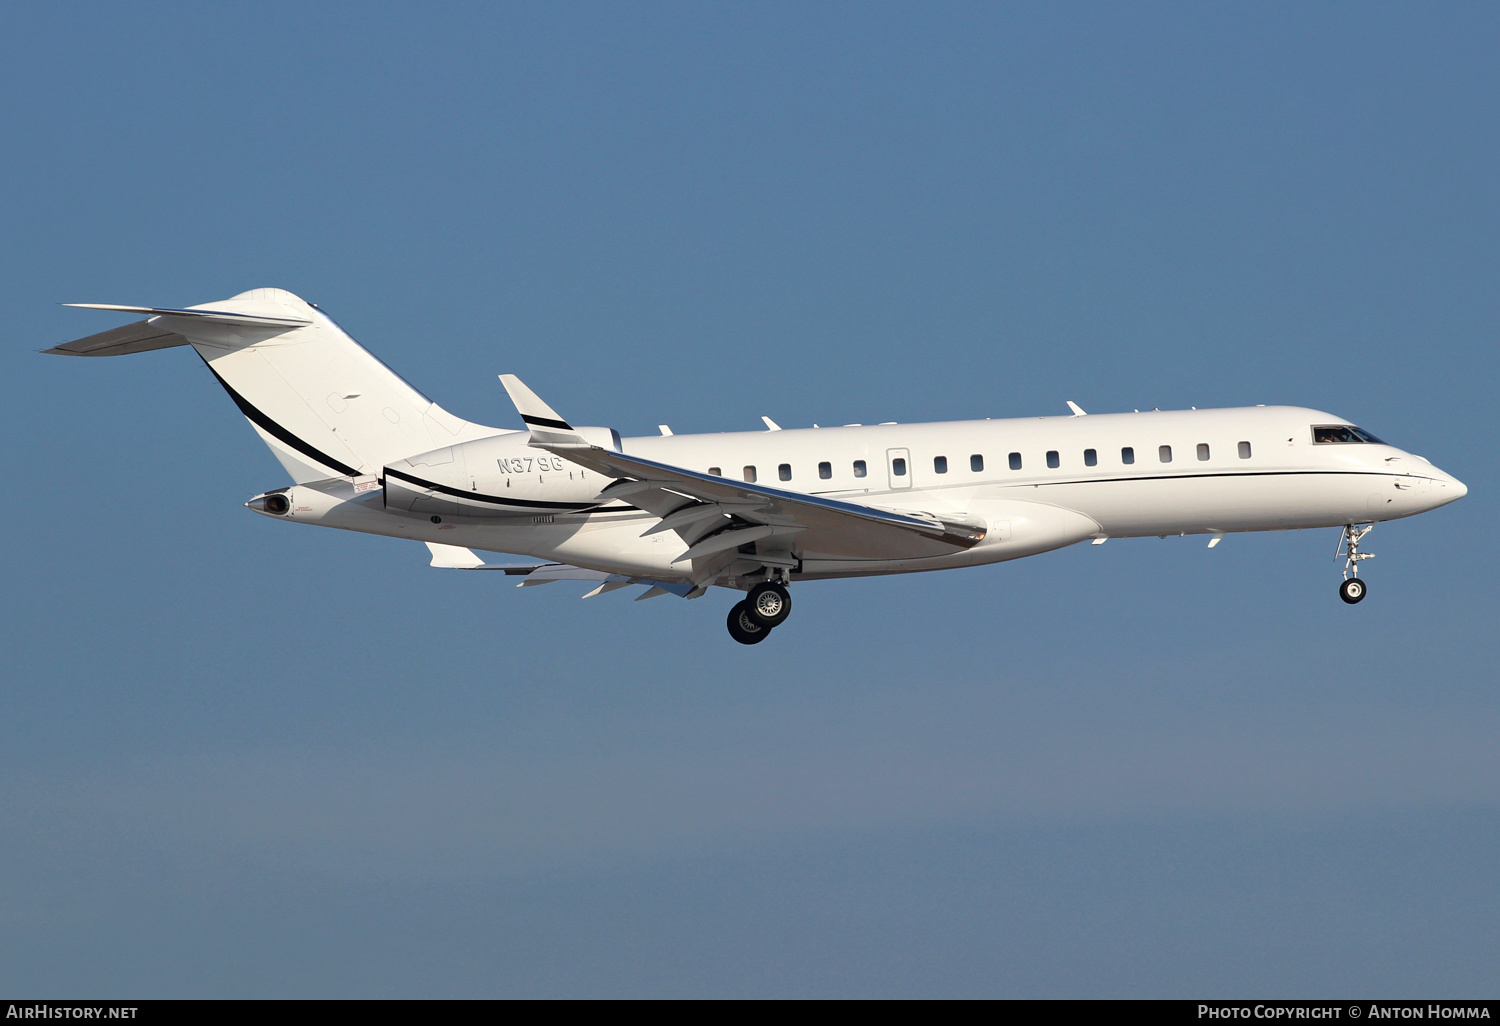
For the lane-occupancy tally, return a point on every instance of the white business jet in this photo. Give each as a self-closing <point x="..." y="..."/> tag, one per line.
<point x="757" y="511"/>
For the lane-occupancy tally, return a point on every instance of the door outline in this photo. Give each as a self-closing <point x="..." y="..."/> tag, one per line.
<point x="897" y="480"/>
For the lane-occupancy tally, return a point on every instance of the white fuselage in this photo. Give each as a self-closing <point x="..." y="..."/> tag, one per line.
<point x="1035" y="484"/>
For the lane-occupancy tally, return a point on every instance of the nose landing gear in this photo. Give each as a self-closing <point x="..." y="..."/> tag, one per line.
<point x="1353" y="590"/>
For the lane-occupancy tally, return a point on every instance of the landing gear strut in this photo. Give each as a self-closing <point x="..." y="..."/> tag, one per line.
<point x="1353" y="589"/>
<point x="766" y="606"/>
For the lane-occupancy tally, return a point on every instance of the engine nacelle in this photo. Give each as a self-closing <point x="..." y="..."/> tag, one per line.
<point x="499" y="476"/>
<point x="274" y="503"/>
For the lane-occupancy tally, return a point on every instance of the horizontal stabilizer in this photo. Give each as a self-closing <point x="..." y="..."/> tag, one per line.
<point x="153" y="333"/>
<point x="140" y="337"/>
<point x="220" y="316"/>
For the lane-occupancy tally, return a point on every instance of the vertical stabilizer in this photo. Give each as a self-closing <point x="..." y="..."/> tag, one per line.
<point x="319" y="400"/>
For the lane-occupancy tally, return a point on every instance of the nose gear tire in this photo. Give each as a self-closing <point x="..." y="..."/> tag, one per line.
<point x="768" y="604"/>
<point x="744" y="628"/>
<point x="1352" y="590"/>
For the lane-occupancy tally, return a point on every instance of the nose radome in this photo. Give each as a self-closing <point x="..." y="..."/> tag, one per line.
<point x="1446" y="488"/>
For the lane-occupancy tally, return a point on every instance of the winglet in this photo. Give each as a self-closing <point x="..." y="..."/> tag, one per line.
<point x="1077" y="410"/>
<point x="547" y="428"/>
<point x="454" y="557"/>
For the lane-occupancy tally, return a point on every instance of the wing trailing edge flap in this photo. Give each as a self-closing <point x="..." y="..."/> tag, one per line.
<point x="608" y="582"/>
<point x="456" y="557"/>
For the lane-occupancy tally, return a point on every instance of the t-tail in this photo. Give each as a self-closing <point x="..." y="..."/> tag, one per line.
<point x="324" y="405"/>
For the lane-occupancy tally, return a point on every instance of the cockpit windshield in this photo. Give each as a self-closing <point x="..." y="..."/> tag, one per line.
<point x="1342" y="434"/>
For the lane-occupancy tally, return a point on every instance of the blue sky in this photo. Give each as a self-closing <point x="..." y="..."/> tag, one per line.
<point x="244" y="758"/>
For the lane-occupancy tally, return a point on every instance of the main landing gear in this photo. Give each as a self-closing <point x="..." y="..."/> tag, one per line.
<point x="1353" y="589"/>
<point x="766" y="606"/>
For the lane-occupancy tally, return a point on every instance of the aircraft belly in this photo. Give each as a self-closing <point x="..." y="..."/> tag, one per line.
<point x="1014" y="528"/>
<point x="609" y="542"/>
<point x="615" y="546"/>
<point x="1260" y="502"/>
<point x="854" y="540"/>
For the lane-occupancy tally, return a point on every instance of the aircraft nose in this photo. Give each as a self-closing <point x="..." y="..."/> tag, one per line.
<point x="1446" y="488"/>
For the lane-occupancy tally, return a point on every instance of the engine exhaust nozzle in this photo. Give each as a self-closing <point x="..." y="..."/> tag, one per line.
<point x="275" y="504"/>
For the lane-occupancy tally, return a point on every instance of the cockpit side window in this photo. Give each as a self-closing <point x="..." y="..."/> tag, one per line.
<point x="1342" y="434"/>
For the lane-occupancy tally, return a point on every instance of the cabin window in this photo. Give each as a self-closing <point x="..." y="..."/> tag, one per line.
<point x="825" y="470"/>
<point x="716" y="471"/>
<point x="1164" y="453"/>
<point x="976" y="463"/>
<point x="859" y="468"/>
<point x="784" y="471"/>
<point x="1091" y="457"/>
<point x="750" y="475"/>
<point x="940" y="464"/>
<point x="1127" y="455"/>
<point x="1244" y="450"/>
<point x="898" y="467"/>
<point x="1203" y="450"/>
<point x="1053" y="460"/>
<point x="1015" y="461"/>
<point x="1342" y="434"/>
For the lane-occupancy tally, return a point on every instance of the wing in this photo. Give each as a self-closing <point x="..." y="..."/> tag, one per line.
<point x="722" y="521"/>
